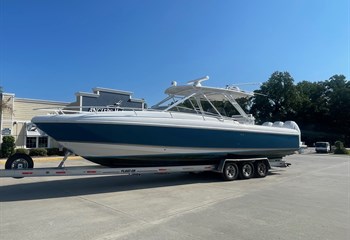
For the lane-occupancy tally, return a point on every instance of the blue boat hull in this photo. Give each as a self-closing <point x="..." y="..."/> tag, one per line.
<point x="223" y="143"/>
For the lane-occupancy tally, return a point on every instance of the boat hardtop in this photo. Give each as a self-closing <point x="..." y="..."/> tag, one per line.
<point x="195" y="98"/>
<point x="213" y="93"/>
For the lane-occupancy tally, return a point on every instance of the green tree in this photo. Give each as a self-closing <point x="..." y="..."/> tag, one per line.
<point x="7" y="146"/>
<point x="313" y="102"/>
<point x="277" y="99"/>
<point x="322" y="109"/>
<point x="338" y="97"/>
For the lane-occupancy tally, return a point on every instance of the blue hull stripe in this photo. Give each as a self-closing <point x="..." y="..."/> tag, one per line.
<point x="166" y="136"/>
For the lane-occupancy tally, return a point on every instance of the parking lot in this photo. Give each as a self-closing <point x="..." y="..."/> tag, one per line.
<point x="309" y="200"/>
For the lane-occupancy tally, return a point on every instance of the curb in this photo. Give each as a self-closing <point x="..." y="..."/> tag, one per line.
<point x="48" y="159"/>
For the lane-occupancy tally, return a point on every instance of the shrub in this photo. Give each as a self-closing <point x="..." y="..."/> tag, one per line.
<point x="339" y="148"/>
<point x="341" y="151"/>
<point x="7" y="146"/>
<point x="38" y="152"/>
<point x="22" y="150"/>
<point x="52" y="151"/>
<point x="63" y="152"/>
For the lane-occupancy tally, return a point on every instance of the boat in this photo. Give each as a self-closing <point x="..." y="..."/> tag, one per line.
<point x="190" y="126"/>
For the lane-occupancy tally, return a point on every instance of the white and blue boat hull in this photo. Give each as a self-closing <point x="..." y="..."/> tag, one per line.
<point x="162" y="138"/>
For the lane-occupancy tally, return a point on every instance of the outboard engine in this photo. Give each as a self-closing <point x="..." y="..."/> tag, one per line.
<point x="268" y="124"/>
<point x="287" y="124"/>
<point x="292" y="125"/>
<point x="278" y="124"/>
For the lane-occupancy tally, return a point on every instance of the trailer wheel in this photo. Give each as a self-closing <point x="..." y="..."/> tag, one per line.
<point x="260" y="169"/>
<point x="247" y="170"/>
<point x="19" y="161"/>
<point x="230" y="171"/>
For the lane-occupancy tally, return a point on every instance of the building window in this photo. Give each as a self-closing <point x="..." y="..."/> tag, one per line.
<point x="40" y="142"/>
<point x="43" y="142"/>
<point x="31" y="142"/>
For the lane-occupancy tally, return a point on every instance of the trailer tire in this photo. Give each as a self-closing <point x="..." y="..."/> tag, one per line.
<point x="247" y="170"/>
<point x="19" y="161"/>
<point x="230" y="171"/>
<point x="261" y="169"/>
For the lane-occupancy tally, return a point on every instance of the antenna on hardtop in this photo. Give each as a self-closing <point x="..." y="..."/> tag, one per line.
<point x="197" y="82"/>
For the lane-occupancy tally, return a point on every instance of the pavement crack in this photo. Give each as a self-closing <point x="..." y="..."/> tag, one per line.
<point x="114" y="210"/>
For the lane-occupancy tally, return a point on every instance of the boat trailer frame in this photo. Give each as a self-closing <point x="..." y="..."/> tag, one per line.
<point x="230" y="168"/>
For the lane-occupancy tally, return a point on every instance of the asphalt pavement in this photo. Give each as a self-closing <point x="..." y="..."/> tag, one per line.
<point x="308" y="200"/>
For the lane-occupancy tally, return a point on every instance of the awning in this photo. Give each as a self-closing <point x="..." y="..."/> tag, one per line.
<point x="33" y="134"/>
<point x="33" y="131"/>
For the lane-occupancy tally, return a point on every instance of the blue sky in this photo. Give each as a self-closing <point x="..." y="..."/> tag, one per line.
<point x="52" y="49"/>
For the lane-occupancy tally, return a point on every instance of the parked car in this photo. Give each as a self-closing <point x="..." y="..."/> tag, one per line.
<point x="322" y="147"/>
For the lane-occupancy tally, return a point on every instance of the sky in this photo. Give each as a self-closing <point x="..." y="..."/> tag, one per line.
<point x="52" y="49"/>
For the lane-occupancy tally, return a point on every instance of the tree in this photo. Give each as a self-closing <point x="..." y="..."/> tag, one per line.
<point x="277" y="99"/>
<point x="7" y="146"/>
<point x="321" y="109"/>
<point x="4" y="105"/>
<point x="313" y="102"/>
<point x="338" y="96"/>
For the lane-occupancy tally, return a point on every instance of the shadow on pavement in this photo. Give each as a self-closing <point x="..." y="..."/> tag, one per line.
<point x="47" y="188"/>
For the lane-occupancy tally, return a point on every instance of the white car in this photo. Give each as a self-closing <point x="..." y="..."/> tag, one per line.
<point x="322" y="147"/>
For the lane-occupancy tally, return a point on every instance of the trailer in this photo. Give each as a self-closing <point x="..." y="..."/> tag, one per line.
<point x="22" y="165"/>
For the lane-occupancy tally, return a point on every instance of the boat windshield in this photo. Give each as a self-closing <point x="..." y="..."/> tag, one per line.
<point x="198" y="106"/>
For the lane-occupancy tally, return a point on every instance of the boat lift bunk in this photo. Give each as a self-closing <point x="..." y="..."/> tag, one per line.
<point x="21" y="165"/>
